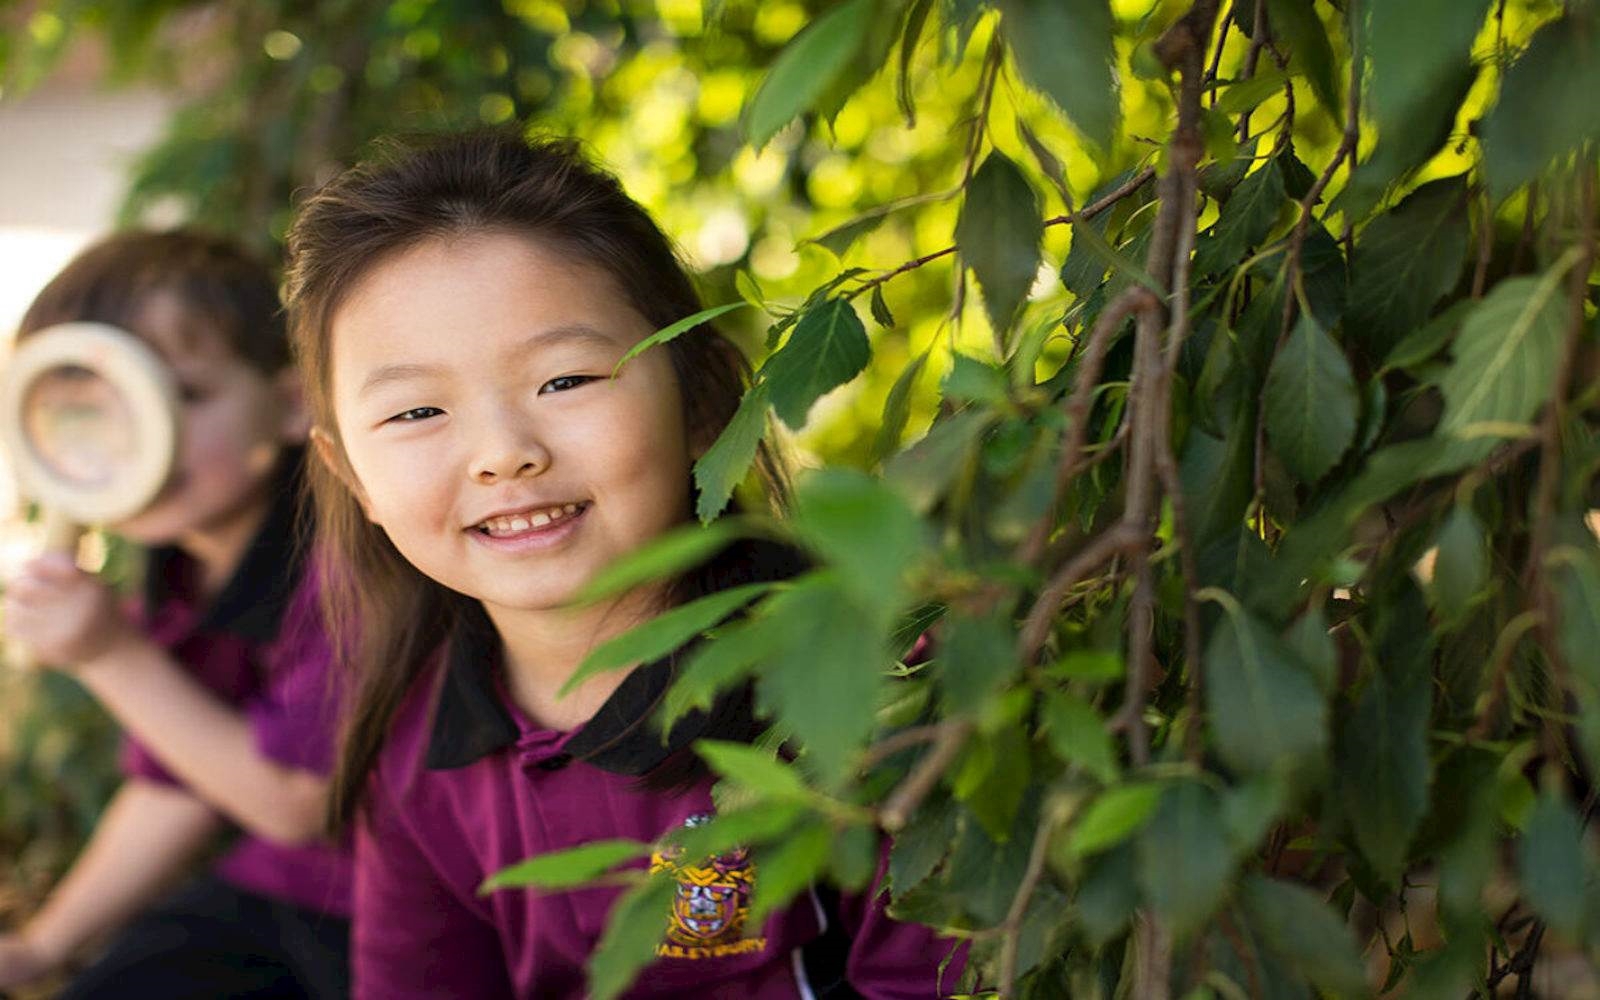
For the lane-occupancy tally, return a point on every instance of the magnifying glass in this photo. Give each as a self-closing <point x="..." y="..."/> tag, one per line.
<point x="89" y="417"/>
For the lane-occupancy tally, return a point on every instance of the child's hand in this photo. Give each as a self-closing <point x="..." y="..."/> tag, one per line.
<point x="65" y="616"/>
<point x="22" y="960"/>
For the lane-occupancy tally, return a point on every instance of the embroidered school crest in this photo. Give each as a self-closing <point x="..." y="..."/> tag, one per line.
<point x="711" y="903"/>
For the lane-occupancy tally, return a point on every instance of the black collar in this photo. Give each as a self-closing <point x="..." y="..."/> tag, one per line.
<point x="251" y="604"/>
<point x="470" y="720"/>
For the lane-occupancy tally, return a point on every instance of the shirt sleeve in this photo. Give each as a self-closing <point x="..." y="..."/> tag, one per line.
<point x="890" y="959"/>
<point x="294" y="715"/>
<point x="412" y="939"/>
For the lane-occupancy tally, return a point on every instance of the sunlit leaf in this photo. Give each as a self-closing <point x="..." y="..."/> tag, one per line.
<point x="664" y="633"/>
<point x="806" y="68"/>
<point x="999" y="232"/>
<point x="726" y="462"/>
<point x="828" y="348"/>
<point x="566" y="869"/>
<point x="1063" y="49"/>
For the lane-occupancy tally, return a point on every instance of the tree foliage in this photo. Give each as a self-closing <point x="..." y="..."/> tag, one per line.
<point x="1245" y="519"/>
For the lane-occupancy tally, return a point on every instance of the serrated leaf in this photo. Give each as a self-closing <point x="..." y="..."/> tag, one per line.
<point x="1265" y="709"/>
<point x="1506" y="354"/>
<point x="1405" y="261"/>
<point x="1297" y="924"/>
<point x="752" y="768"/>
<point x="1078" y="735"/>
<point x="1064" y="50"/>
<point x="1384" y="768"/>
<point x="675" y="330"/>
<point x="864" y="528"/>
<point x="728" y="656"/>
<point x="1461" y="567"/>
<point x="1311" y="402"/>
<point x="664" y="633"/>
<point x="999" y="233"/>
<point x="788" y="867"/>
<point x="975" y="659"/>
<point x="1244" y="221"/>
<point x="1553" y="867"/>
<point x="1115" y="815"/>
<point x="828" y="348"/>
<point x="567" y="868"/>
<point x="1184" y="858"/>
<point x="1298" y="23"/>
<point x="1420" y="53"/>
<point x="726" y="462"/>
<point x="1546" y="107"/>
<point x="897" y="408"/>
<point x="1239" y="96"/>
<point x="916" y="17"/>
<point x="806" y="68"/>
<point x="749" y="290"/>
<point x="880" y="309"/>
<point x="743" y="827"/>
<point x="921" y="846"/>
<point x="824" y="682"/>
<point x="670" y="554"/>
<point x="633" y="928"/>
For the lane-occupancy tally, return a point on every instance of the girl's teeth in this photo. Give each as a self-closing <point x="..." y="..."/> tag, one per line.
<point x="506" y="525"/>
<point x="540" y="519"/>
<point x="518" y="524"/>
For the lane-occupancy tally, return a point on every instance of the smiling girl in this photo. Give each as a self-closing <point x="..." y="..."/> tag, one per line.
<point x="460" y="310"/>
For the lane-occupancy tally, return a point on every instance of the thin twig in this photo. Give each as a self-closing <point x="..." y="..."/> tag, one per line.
<point x="1124" y="537"/>
<point x="902" y="740"/>
<point x="905" y="799"/>
<point x="1480" y="273"/>
<point x="1136" y="298"/>
<point x="1258" y="41"/>
<point x="1012" y="928"/>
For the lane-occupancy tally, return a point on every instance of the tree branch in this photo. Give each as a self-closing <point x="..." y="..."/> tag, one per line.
<point x="905" y="799"/>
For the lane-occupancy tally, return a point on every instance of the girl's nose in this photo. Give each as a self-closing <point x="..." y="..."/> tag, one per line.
<point x="509" y="450"/>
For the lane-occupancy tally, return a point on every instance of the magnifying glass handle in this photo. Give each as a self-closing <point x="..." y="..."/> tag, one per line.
<point x="61" y="534"/>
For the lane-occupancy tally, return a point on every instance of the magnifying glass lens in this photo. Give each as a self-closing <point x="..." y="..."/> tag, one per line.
<point x="79" y="425"/>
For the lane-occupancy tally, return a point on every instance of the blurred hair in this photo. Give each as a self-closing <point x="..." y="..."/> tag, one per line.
<point x="224" y="291"/>
<point x="387" y="617"/>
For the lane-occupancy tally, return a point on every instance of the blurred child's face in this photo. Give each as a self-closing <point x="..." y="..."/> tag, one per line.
<point x="472" y="390"/>
<point x="233" y="422"/>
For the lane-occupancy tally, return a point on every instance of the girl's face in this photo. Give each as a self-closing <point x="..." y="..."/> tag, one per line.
<point x="471" y="383"/>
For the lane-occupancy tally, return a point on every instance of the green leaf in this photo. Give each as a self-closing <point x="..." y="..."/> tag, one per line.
<point x="921" y="846"/>
<point x="1089" y="665"/>
<point x="880" y="309"/>
<point x="1265" y="708"/>
<point x="752" y="768"/>
<point x="916" y="17"/>
<point x="567" y="868"/>
<point x="788" y="868"/>
<point x="726" y="462"/>
<point x="1383" y="765"/>
<point x="728" y="656"/>
<point x="664" y="633"/>
<point x="1078" y="735"/>
<point x="828" y="348"/>
<point x="1422" y="345"/>
<point x="633" y="929"/>
<point x="1555" y="872"/>
<point x="675" y="330"/>
<point x="1239" y="96"/>
<point x="976" y="658"/>
<point x="1185" y="860"/>
<point x="897" y="408"/>
<point x="1297" y="22"/>
<point x="924" y="471"/>
<point x="1461" y="568"/>
<point x="745" y="827"/>
<point x="992" y="778"/>
<point x="806" y="68"/>
<point x="1095" y="244"/>
<point x="1420" y="53"/>
<point x="670" y="554"/>
<point x="1311" y="402"/>
<point x="1245" y="220"/>
<point x="1107" y="894"/>
<point x="1576" y="577"/>
<point x="1115" y="815"/>
<point x="1064" y="49"/>
<point x="825" y="680"/>
<point x="1297" y="924"/>
<point x="1546" y="107"/>
<point x="863" y="528"/>
<point x="1405" y="261"/>
<point x="1312" y="644"/>
<point x="1506" y="354"/>
<point x="999" y="233"/>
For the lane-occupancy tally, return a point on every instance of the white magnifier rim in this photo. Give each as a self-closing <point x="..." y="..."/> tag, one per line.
<point x="145" y="384"/>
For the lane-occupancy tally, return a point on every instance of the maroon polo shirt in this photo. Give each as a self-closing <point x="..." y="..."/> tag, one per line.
<point x="260" y="646"/>
<point x="467" y="785"/>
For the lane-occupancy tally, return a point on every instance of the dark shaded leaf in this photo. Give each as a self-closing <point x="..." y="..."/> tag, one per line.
<point x="1246" y="219"/>
<point x="1545" y="108"/>
<point x="1265" y="708"/>
<point x="1383" y="765"/>
<point x="1405" y="261"/>
<point x="1185" y="860"/>
<point x="1311" y="402"/>
<point x="999" y="233"/>
<point x="1297" y="924"/>
<point x="1063" y="49"/>
<point x="1298" y="23"/>
<point x="828" y="348"/>
<point x="1506" y="354"/>
<point x="1554" y="870"/>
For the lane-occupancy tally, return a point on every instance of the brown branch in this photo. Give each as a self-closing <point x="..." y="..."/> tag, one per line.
<point x="1124" y="537"/>
<point x="1480" y="273"/>
<point x="1012" y="927"/>
<point x="905" y="799"/>
<point x="1259" y="37"/>
<point x="1136" y="298"/>
<point x="905" y="739"/>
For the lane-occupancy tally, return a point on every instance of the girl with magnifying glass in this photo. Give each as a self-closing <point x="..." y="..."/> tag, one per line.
<point x="219" y="678"/>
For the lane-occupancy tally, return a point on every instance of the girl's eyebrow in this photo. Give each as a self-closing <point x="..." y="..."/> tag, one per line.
<point x="572" y="332"/>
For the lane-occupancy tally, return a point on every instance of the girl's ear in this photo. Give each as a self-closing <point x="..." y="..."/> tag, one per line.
<point x="294" y="422"/>
<point x="328" y="453"/>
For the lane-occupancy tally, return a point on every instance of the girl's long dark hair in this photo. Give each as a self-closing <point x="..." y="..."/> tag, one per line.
<point x="387" y="618"/>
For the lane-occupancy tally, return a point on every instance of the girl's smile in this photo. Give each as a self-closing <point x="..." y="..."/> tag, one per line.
<point x="532" y="529"/>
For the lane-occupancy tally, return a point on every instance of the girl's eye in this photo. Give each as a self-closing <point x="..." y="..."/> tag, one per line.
<point x="417" y="413"/>
<point x="564" y="383"/>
